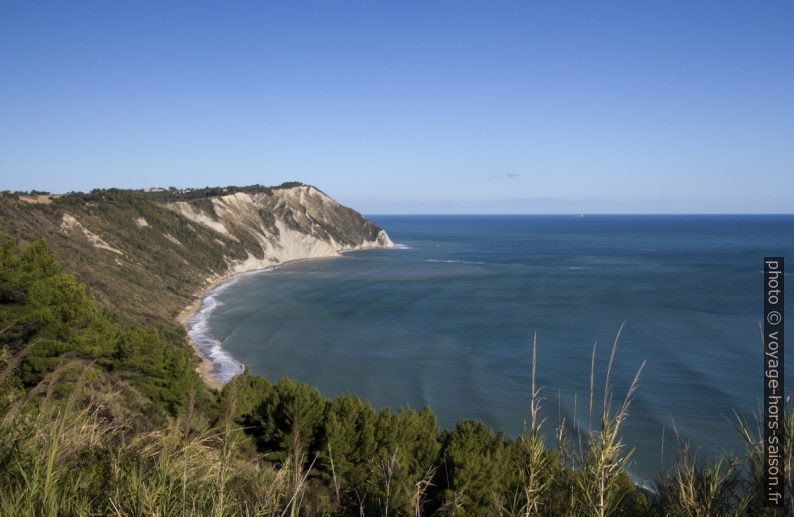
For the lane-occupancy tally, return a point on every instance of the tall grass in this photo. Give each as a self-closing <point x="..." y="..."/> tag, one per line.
<point x="537" y="471"/>
<point x="603" y="458"/>
<point x="752" y="432"/>
<point x="701" y="488"/>
<point x="69" y="457"/>
<point x="72" y="445"/>
<point x="299" y="475"/>
<point x="420" y="488"/>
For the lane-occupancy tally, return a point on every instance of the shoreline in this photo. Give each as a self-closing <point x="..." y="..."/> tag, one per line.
<point x="206" y="367"/>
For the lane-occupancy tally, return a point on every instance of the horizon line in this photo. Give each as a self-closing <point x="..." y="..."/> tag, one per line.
<point x="573" y="214"/>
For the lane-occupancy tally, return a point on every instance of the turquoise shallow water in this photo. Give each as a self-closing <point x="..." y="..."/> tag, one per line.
<point x="447" y="320"/>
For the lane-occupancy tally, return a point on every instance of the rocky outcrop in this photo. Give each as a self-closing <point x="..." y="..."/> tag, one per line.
<point x="282" y="225"/>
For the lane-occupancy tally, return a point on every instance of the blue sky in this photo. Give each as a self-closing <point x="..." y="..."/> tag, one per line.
<point x="400" y="107"/>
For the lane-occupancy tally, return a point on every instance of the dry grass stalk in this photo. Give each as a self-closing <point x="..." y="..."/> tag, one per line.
<point x="604" y="458"/>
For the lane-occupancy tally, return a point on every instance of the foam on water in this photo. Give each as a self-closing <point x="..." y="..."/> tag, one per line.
<point x="224" y="365"/>
<point x="439" y="261"/>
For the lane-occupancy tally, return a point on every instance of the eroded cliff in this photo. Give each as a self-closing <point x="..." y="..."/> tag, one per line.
<point x="149" y="253"/>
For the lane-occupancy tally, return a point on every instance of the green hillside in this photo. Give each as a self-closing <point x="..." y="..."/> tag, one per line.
<point x="102" y="412"/>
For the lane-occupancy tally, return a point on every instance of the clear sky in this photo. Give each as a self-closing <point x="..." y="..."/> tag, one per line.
<point x="398" y="107"/>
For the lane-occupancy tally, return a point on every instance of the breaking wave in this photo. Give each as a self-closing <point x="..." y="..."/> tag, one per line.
<point x="454" y="261"/>
<point x="224" y="365"/>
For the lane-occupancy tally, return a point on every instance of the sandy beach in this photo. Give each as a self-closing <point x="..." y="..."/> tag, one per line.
<point x="205" y="367"/>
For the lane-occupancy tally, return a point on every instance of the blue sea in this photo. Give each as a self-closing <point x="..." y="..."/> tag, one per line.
<point x="446" y="319"/>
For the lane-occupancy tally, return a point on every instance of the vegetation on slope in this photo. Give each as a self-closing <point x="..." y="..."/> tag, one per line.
<point x="157" y="258"/>
<point x="48" y="317"/>
<point x="98" y="416"/>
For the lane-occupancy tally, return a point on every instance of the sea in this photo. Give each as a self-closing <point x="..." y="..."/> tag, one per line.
<point x="447" y="319"/>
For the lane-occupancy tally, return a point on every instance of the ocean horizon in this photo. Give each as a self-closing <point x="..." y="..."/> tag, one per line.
<point x="447" y="318"/>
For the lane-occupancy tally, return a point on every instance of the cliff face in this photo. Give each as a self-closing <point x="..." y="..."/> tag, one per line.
<point x="283" y="225"/>
<point x="149" y="253"/>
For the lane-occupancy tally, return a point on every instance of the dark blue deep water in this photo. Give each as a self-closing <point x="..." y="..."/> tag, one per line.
<point x="447" y="320"/>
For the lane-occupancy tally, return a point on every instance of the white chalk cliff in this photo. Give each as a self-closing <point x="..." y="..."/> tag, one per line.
<point x="284" y="224"/>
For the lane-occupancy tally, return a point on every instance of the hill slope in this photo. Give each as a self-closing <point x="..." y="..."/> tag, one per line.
<point x="149" y="253"/>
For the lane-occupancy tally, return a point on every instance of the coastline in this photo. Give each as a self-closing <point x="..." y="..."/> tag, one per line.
<point x="207" y="368"/>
